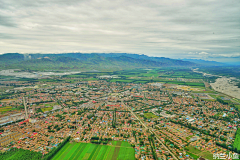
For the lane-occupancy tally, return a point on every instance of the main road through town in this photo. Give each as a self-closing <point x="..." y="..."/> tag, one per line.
<point x="150" y="130"/>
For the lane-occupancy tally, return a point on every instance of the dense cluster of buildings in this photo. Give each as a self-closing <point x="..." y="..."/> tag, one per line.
<point x="158" y="120"/>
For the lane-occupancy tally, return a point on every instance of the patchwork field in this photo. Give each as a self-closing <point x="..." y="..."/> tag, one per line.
<point x="115" y="150"/>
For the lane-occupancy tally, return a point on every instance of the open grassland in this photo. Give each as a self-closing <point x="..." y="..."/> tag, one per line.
<point x="88" y="151"/>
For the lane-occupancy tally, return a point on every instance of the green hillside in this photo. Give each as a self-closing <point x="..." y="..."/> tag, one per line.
<point x="75" y="61"/>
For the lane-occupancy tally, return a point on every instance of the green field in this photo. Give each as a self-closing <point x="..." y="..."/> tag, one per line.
<point x="50" y="104"/>
<point x="115" y="150"/>
<point x="236" y="144"/>
<point x="195" y="153"/>
<point x="47" y="109"/>
<point x="150" y="115"/>
<point x="166" y="75"/>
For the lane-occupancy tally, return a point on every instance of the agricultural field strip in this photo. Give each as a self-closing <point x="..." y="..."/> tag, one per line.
<point x="110" y="153"/>
<point x="122" y="153"/>
<point x="236" y="143"/>
<point x="96" y="152"/>
<point x="70" y="152"/>
<point x="67" y="146"/>
<point x="92" y="151"/>
<point x="79" y="147"/>
<point x="84" y="151"/>
<point x="102" y="152"/>
<point x="115" y="153"/>
<point x="80" y="151"/>
<point x="59" y="153"/>
<point x="128" y="154"/>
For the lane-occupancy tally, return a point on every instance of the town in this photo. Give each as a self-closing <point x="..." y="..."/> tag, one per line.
<point x="158" y="120"/>
<point x="119" y="80"/>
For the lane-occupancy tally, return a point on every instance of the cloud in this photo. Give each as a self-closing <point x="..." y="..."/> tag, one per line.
<point x="157" y="28"/>
<point x="203" y="53"/>
<point x="6" y="21"/>
<point x="232" y="55"/>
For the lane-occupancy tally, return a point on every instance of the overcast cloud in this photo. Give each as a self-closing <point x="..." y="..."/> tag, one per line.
<point x="170" y="28"/>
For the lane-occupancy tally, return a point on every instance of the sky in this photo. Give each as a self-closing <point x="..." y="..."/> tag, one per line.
<point x="201" y="29"/>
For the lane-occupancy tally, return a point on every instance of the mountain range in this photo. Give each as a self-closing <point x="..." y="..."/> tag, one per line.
<point x="204" y="62"/>
<point x="93" y="61"/>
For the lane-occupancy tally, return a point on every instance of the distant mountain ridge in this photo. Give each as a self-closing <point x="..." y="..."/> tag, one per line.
<point x="83" y="61"/>
<point x="204" y="62"/>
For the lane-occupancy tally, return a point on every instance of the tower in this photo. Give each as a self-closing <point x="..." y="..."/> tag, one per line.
<point x="25" y="107"/>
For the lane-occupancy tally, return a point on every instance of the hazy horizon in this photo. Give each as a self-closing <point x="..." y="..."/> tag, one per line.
<point x="222" y="60"/>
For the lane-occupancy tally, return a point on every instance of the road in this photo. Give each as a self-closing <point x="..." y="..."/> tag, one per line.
<point x="150" y="130"/>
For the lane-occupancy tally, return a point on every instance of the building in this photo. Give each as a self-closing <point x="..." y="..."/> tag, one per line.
<point x="8" y="138"/>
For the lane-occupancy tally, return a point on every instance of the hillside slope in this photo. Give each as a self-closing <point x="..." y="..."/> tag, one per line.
<point x="97" y="61"/>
